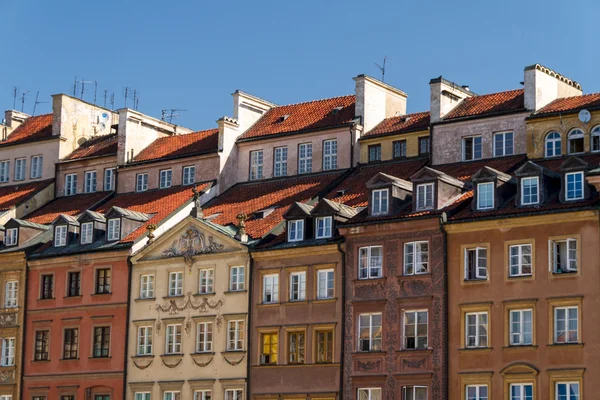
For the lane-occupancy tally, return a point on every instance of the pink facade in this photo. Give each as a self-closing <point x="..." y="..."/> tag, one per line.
<point x="80" y="167"/>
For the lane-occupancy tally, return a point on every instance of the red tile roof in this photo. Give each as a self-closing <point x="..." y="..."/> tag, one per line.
<point x="489" y="104"/>
<point x="10" y="196"/>
<point x="554" y="164"/>
<point x="312" y="115"/>
<point x="255" y="196"/>
<point x="403" y="124"/>
<point x="34" y="128"/>
<point x="463" y="170"/>
<point x="159" y="202"/>
<point x="181" y="145"/>
<point x="69" y="205"/>
<point x="98" y="146"/>
<point x="574" y="103"/>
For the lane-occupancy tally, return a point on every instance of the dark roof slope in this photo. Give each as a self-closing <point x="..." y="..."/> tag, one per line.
<point x="402" y="124"/>
<point x="488" y="105"/>
<point x="103" y="145"/>
<point x="68" y="205"/>
<point x="194" y="143"/>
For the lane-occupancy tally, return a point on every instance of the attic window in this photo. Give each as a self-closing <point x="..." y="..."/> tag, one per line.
<point x="12" y="237"/>
<point x="295" y="230"/>
<point x="425" y="196"/>
<point x="341" y="192"/>
<point x="60" y="236"/>
<point x="485" y="196"/>
<point x="114" y="229"/>
<point x="283" y="118"/>
<point x="336" y="110"/>
<point x="379" y="202"/>
<point x="87" y="230"/>
<point x="323" y="227"/>
<point x="260" y="214"/>
<point x="530" y="190"/>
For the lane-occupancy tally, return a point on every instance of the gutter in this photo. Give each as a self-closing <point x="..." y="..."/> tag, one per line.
<point x="445" y="366"/>
<point x="343" y="324"/>
<point x="24" y="324"/>
<point x="292" y="133"/>
<point x="125" y="358"/>
<point x="248" y="335"/>
<point x="161" y="159"/>
<point x="527" y="214"/>
<point x="481" y="116"/>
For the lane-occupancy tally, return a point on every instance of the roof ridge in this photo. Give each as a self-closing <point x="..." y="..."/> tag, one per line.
<point x="313" y="101"/>
<point x="495" y="93"/>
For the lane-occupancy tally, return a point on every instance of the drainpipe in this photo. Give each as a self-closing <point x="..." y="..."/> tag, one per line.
<point x="24" y="324"/>
<point x="443" y="220"/>
<point x="249" y="341"/>
<point x="343" y="324"/>
<point x="351" y="148"/>
<point x="130" y="268"/>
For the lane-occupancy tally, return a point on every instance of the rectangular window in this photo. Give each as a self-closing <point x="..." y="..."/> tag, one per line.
<point x="204" y="339"/>
<point x="370" y="262"/>
<point x="425" y="196"/>
<point x="566" y="324"/>
<point x="141" y="396"/>
<point x="109" y="179"/>
<point x="379" y="201"/>
<point x="295" y="230"/>
<point x="12" y="236"/>
<point x="298" y="286"/>
<point x="296" y="341"/>
<point x="206" y="281"/>
<point x="60" y="235"/>
<point x="234" y="394"/>
<point x="374" y="152"/>
<point x="103" y="279"/>
<point x="485" y="196"/>
<point x="415" y="329"/>
<point x="323" y="227"/>
<point x="329" y="154"/>
<point x="416" y="258"/>
<point x="325" y="282"/>
<point x="70" y="184"/>
<point x="166" y="178"/>
<point x="101" y="341"/>
<point x="530" y="190"/>
<point x="325" y="346"/>
<point x="520" y="260"/>
<point x="472" y="148"/>
<point x="36" y="166"/>
<point x="74" y="288"/>
<point x="147" y="287"/>
<point x="399" y="148"/>
<point x="476" y="263"/>
<point x="235" y="335"/>
<point x="476" y="392"/>
<point x="114" y="229"/>
<point x="71" y="344"/>
<point x="304" y="158"/>
<point x="20" y="166"/>
<point x="4" y="171"/>
<point x="144" y="342"/>
<point x="202" y="395"/>
<point x="11" y="294"/>
<point x="90" y="183"/>
<point x="369" y="332"/>
<point x="189" y="175"/>
<point x="423" y="145"/>
<point x="566" y="391"/>
<point x="414" y="393"/>
<point x="476" y="329"/>
<point x="521" y="391"/>
<point x="236" y="279"/>
<point x="47" y="289"/>
<point x="503" y="144"/>
<point x="280" y="161"/>
<point x="173" y="339"/>
<point x="256" y="164"/>
<point x="141" y="182"/>
<point x="574" y="186"/>
<point x="269" y="347"/>
<point x="271" y="288"/>
<point x="87" y="232"/>
<point x="369" y="394"/>
<point x="41" y="345"/>
<point x="172" y="395"/>
<point x="8" y="352"/>
<point x="564" y="255"/>
<point x="176" y="283"/>
<point x="521" y="327"/>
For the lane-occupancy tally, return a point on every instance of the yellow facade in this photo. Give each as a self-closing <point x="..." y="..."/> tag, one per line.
<point x="387" y="148"/>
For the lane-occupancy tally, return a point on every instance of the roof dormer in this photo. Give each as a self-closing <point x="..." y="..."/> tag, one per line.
<point x="327" y="214"/>
<point x="491" y="188"/>
<point x="433" y="189"/>
<point x="574" y="185"/>
<point x="120" y="222"/>
<point x="298" y="222"/>
<point x="92" y="227"/>
<point x="535" y="184"/>
<point x="66" y="230"/>
<point x="387" y="194"/>
<point x="18" y="231"/>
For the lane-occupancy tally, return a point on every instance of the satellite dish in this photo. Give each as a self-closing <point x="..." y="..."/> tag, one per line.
<point x="105" y="116"/>
<point x="101" y="126"/>
<point x="585" y="116"/>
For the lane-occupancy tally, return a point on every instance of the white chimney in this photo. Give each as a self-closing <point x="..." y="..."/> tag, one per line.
<point x="542" y="86"/>
<point x="444" y="96"/>
<point x="376" y="101"/>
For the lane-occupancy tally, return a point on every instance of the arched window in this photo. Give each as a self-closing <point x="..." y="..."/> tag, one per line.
<point x="576" y="141"/>
<point x="595" y="138"/>
<point x="553" y="144"/>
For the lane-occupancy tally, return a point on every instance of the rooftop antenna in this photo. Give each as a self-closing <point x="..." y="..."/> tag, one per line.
<point x="83" y="82"/>
<point x="37" y="95"/>
<point x="168" y="114"/>
<point x="15" y="89"/>
<point x="75" y="87"/>
<point x="95" y="91"/>
<point x="126" y="94"/>
<point x="112" y="101"/>
<point x="22" y="98"/>
<point x="136" y="100"/>
<point x="382" y="68"/>
<point x="105" y="94"/>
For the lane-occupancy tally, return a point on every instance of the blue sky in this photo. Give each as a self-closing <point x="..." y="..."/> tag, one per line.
<point x="193" y="54"/>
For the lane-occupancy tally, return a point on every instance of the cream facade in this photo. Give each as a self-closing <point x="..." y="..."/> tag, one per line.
<point x="387" y="145"/>
<point x="189" y="314"/>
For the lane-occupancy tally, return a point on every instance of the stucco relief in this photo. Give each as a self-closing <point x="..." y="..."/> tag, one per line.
<point x="191" y="243"/>
<point x="7" y="376"/>
<point x="8" y="319"/>
<point x="174" y="307"/>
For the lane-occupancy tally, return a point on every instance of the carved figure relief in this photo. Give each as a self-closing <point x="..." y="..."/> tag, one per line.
<point x="190" y="244"/>
<point x="174" y="307"/>
<point x="8" y="319"/>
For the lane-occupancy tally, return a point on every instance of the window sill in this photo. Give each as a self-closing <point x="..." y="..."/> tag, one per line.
<point x="295" y="302"/>
<point x="235" y="291"/>
<point x="381" y="279"/>
<point x="233" y="352"/>
<point x="366" y="353"/>
<point x="140" y="299"/>
<point x="415" y="276"/>
<point x="142" y="356"/>
<point x="268" y="305"/>
<point x="565" y="273"/>
<point x="73" y="297"/>
<point x="475" y="281"/>
<point x="520" y="277"/>
<point x="327" y="300"/>
<point x="41" y="361"/>
<point x="205" y="294"/>
<point x="179" y="296"/>
<point x="566" y="345"/>
<point x="173" y="355"/>
<point x="68" y="359"/>
<point x="475" y="350"/>
<point x="102" y="294"/>
<point x="203" y="353"/>
<point x="100" y="358"/>
<point x="427" y="350"/>
<point x="517" y="347"/>
<point x="49" y="298"/>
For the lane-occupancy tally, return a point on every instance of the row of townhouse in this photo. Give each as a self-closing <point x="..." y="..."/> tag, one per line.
<point x="333" y="249"/>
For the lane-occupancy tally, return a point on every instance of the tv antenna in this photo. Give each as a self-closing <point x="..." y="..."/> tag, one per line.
<point x="37" y="95"/>
<point x="170" y="113"/>
<point x="382" y="68"/>
<point x="22" y="98"/>
<point x="83" y="83"/>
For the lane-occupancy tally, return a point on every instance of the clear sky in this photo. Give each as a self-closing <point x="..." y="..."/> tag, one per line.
<point x="193" y="54"/>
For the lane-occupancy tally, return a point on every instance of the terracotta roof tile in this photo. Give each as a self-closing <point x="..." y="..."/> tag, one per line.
<point x="463" y="170"/>
<point x="402" y="124"/>
<point x="481" y="106"/>
<point x="574" y="103"/>
<point x="312" y="115"/>
<point x="98" y="146"/>
<point x="10" y="196"/>
<point x="69" y="205"/>
<point x="181" y="145"/>
<point x="554" y="164"/>
<point x="255" y="196"/>
<point x="158" y="202"/>
<point x="34" y="128"/>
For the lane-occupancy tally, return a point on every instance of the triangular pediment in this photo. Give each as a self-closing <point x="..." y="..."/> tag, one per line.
<point x="329" y="207"/>
<point x="529" y="168"/>
<point x="487" y="173"/>
<point x="426" y="174"/>
<point x="63" y="219"/>
<point x="381" y="179"/>
<point x="573" y="163"/>
<point x="298" y="210"/>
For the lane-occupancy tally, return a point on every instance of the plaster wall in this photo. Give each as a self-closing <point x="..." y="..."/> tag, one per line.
<point x="376" y="101"/>
<point x="387" y="145"/>
<point x="48" y="149"/>
<point x="541" y="88"/>
<point x="100" y="165"/>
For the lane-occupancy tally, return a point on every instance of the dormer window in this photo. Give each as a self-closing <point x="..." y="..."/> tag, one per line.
<point x="324" y="227"/>
<point x="530" y="190"/>
<point x="12" y="237"/>
<point x="114" y="229"/>
<point x="485" y="196"/>
<point x="575" y="141"/>
<point x="425" y="196"/>
<point x="60" y="236"/>
<point x="87" y="232"/>
<point x="574" y="186"/>
<point x="380" y="201"/>
<point x="295" y="230"/>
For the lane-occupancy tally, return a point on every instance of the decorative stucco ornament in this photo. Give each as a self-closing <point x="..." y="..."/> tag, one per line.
<point x="191" y="243"/>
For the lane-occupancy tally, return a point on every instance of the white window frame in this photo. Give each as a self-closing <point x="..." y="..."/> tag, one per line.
<point x="305" y="158"/>
<point x="109" y="179"/>
<point x="568" y="385"/>
<point x="371" y="394"/>
<point x="521" y="395"/>
<point x="90" y="182"/>
<point x="517" y="337"/>
<point x="12" y="237"/>
<point x="372" y="329"/>
<point x="478" y="268"/>
<point x="520" y="253"/>
<point x="376" y="148"/>
<point x="144" y="334"/>
<point x="4" y="171"/>
<point x="70" y="184"/>
<point x="36" y="166"/>
<point x="256" y="164"/>
<point x="413" y="390"/>
<point x="556" y="150"/>
<point x="8" y="352"/>
<point x="575" y="134"/>
<point x="270" y="289"/>
<point x="234" y="394"/>
<point x="324" y="284"/>
<point x="205" y="394"/>
<point x="280" y="158"/>
<point x="173" y="334"/>
<point x="368" y="252"/>
<point x="87" y="232"/>
<point x="421" y="202"/>
<point x="189" y="175"/>
<point x="329" y="154"/>
<point x="171" y="395"/>
<point x="478" y="335"/>
<point x="235" y="342"/>
<point x="204" y="338"/>
<point x="175" y="283"/>
<point x="237" y="276"/>
<point x="477" y="395"/>
<point x="166" y="178"/>
<point x="473" y="144"/>
<point x="142" y="396"/>
<point x="414" y="262"/>
<point x="380" y="201"/>
<point x="502" y="151"/>
<point x="11" y="294"/>
<point x="298" y="286"/>
<point x="60" y="235"/>
<point x="567" y="319"/>
<point x="147" y="286"/>
<point x="582" y="181"/>
<point x="401" y="148"/>
<point x="572" y="249"/>
<point x="324" y="227"/>
<point x="486" y="185"/>
<point x="20" y="169"/>
<point x="532" y="201"/>
<point x="141" y="182"/>
<point x="113" y="229"/>
<point x="595" y="139"/>
<point x="206" y="281"/>
<point x="295" y="230"/>
<point x="415" y="333"/>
